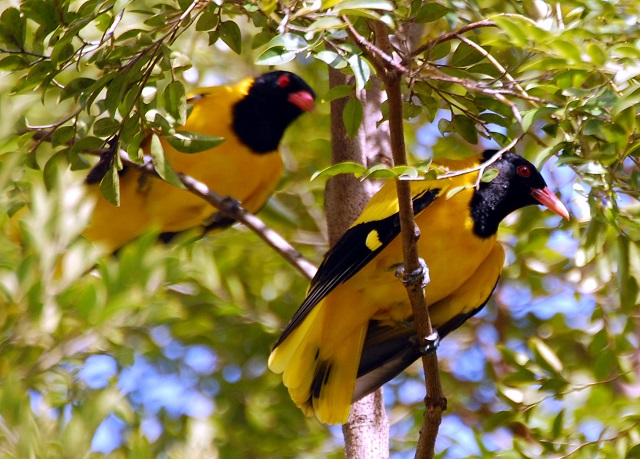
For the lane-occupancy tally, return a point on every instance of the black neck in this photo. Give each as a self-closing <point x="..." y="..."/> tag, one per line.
<point x="487" y="211"/>
<point x="260" y="124"/>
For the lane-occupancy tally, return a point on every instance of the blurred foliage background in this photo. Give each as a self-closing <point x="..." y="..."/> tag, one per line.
<point x="161" y="350"/>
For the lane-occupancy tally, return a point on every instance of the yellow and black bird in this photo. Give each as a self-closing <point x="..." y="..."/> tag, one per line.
<point x="353" y="332"/>
<point x="252" y="116"/>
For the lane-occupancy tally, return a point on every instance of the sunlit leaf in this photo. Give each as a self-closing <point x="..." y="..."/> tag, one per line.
<point x="160" y="163"/>
<point x="340" y="168"/>
<point x="193" y="142"/>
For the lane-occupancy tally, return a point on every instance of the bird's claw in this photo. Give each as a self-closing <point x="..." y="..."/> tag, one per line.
<point x="431" y="344"/>
<point x="231" y="203"/>
<point x="420" y="275"/>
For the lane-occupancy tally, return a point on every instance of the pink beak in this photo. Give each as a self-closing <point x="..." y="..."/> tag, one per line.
<point x="303" y="100"/>
<point x="547" y="198"/>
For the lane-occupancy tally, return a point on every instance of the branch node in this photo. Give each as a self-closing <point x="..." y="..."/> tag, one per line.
<point x="437" y="404"/>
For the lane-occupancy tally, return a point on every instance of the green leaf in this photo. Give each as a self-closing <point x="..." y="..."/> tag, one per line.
<point x="465" y="55"/>
<point x="160" y="163"/>
<point x="231" y="35"/>
<point x="276" y="56"/>
<point x="115" y="93"/>
<point x="489" y="174"/>
<point x="379" y="172"/>
<point x="361" y="70"/>
<point x="76" y="87"/>
<point x="50" y="172"/>
<point x="62" y="135"/>
<point x="12" y="28"/>
<point x="352" y="116"/>
<point x="440" y="51"/>
<point x="558" y="424"/>
<point x="430" y="12"/>
<point x="337" y="92"/>
<point x="213" y="37"/>
<point x="43" y="13"/>
<point x="325" y="23"/>
<point x="208" y="19"/>
<point x="261" y="39"/>
<point x="629" y="99"/>
<point x="13" y="63"/>
<point x="406" y="172"/>
<point x="105" y="127"/>
<point x="513" y="27"/>
<point x="466" y="128"/>
<point x="331" y="58"/>
<point x="193" y="142"/>
<point x="363" y="5"/>
<point x="87" y="144"/>
<point x="110" y="185"/>
<point x="568" y="50"/>
<point x="180" y="62"/>
<point x="341" y="168"/>
<point x="63" y="50"/>
<point x="626" y="283"/>
<point x="604" y="364"/>
<point x="38" y="74"/>
<point x="430" y="105"/>
<point x="633" y="453"/>
<point x="175" y="101"/>
<point x="597" y="54"/>
<point x="410" y="110"/>
<point x="454" y="191"/>
<point x="531" y="116"/>
<point x="545" y="356"/>
<point x="289" y="41"/>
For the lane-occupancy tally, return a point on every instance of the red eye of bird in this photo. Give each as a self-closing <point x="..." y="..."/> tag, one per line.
<point x="524" y="171"/>
<point x="283" y="81"/>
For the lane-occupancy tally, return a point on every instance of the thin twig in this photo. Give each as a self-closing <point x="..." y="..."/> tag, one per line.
<point x="493" y="61"/>
<point x="380" y="59"/>
<point x="450" y="36"/>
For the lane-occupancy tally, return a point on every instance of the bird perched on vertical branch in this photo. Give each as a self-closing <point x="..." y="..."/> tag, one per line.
<point x="354" y="330"/>
<point x="252" y="116"/>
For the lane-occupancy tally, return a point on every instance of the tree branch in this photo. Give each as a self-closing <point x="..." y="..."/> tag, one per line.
<point x="383" y="61"/>
<point x="435" y="402"/>
<point x="231" y="209"/>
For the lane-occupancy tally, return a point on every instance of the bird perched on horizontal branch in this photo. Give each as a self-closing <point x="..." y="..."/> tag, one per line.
<point x="354" y="330"/>
<point x="252" y="117"/>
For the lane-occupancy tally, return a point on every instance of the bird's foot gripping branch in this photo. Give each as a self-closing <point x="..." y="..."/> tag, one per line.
<point x="418" y="277"/>
<point x="430" y="345"/>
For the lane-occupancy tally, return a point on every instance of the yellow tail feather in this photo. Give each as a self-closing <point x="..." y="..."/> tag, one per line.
<point x="319" y="372"/>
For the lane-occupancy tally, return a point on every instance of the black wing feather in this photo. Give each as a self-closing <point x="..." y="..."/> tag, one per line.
<point x="389" y="348"/>
<point x="350" y="254"/>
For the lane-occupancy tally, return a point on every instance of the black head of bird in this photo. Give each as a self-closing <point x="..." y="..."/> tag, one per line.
<point x="518" y="184"/>
<point x="274" y="101"/>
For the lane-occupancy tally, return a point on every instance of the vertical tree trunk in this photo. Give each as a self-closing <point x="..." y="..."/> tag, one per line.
<point x="366" y="433"/>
